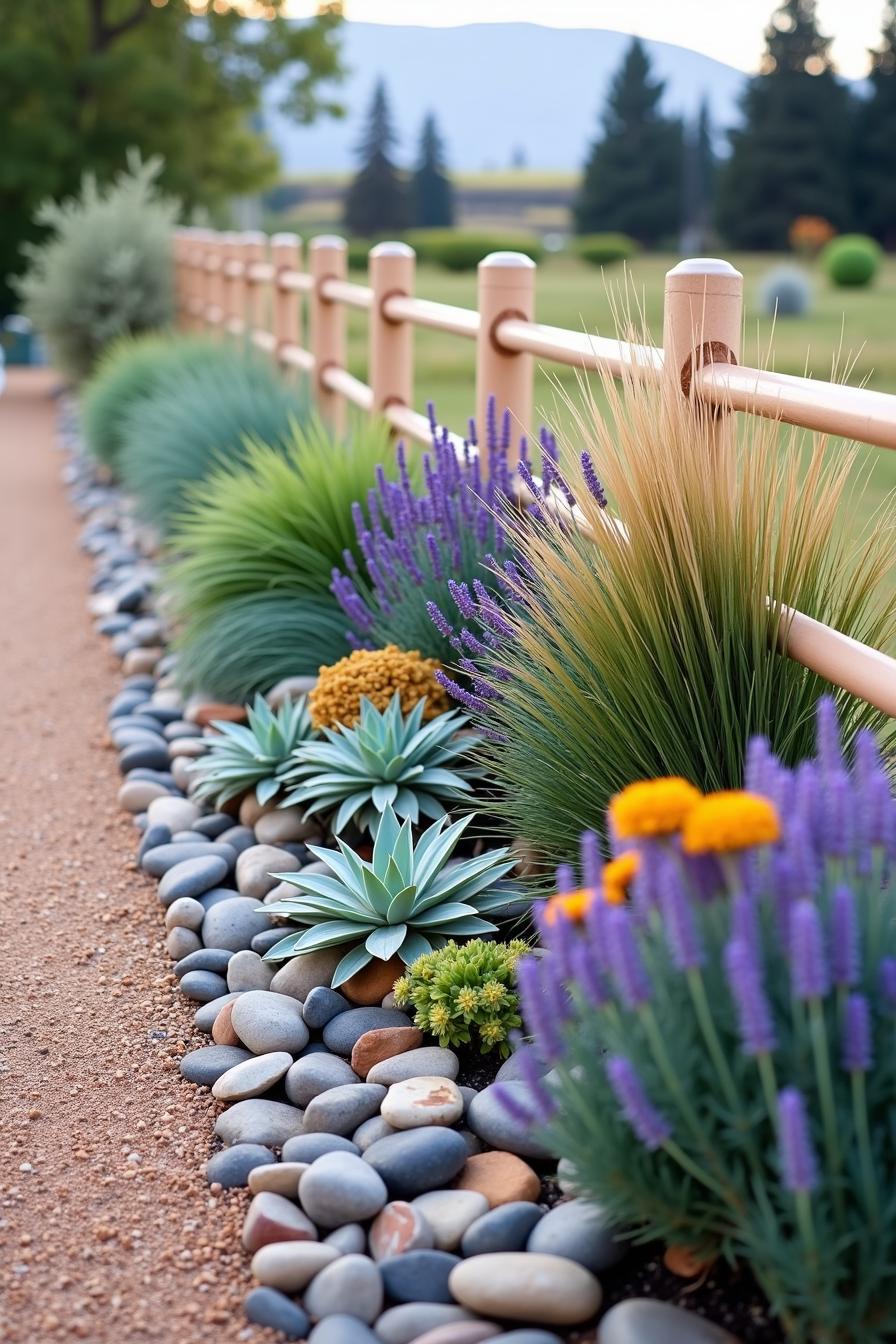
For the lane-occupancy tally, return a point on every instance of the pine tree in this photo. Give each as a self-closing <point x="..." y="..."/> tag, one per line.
<point x="790" y="156"/>
<point x="875" y="138"/>
<point x="632" y="179"/>
<point x="699" y="182"/>
<point x="377" y="200"/>
<point x="432" y="190"/>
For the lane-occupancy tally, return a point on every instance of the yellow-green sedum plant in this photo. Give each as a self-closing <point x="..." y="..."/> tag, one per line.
<point x="465" y="994"/>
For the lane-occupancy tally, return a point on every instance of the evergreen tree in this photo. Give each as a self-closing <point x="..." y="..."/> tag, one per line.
<point x="789" y="157"/>
<point x="432" y="189"/>
<point x="875" y="142"/>
<point x="699" y="182"/>
<point x="632" y="179"/>
<point x="377" y="200"/>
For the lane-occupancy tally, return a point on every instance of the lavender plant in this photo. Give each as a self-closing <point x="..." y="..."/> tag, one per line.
<point x="416" y="544"/>
<point x="745" y="1002"/>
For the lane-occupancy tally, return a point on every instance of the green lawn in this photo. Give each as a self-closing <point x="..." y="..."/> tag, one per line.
<point x="843" y="325"/>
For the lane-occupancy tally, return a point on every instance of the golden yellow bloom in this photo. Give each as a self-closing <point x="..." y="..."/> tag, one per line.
<point x="619" y="874"/>
<point x="467" y="999"/>
<point x="653" y="807"/>
<point x="376" y="674"/>
<point x="730" y="820"/>
<point x="572" y="906"/>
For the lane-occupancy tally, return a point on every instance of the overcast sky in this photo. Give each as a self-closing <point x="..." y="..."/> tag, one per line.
<point x="729" y="30"/>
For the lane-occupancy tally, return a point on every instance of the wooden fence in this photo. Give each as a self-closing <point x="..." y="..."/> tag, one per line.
<point x="249" y="286"/>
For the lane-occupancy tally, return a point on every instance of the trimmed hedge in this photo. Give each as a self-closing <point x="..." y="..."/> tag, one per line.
<point x="456" y="250"/>
<point x="852" y="260"/>
<point x="605" y="249"/>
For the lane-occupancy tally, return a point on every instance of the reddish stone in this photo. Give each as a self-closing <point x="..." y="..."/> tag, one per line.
<point x="502" y="1177"/>
<point x="371" y="985"/>
<point x="206" y="713"/>
<point x="400" y="1227"/>
<point x="273" y="1218"/>
<point x="222" y="1028"/>
<point x="383" y="1043"/>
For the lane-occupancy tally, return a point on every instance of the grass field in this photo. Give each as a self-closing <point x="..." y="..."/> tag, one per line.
<point x="846" y="330"/>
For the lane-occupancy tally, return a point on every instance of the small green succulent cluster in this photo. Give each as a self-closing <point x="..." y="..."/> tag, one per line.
<point x="389" y="759"/>
<point x="250" y="756"/>
<point x="465" y="993"/>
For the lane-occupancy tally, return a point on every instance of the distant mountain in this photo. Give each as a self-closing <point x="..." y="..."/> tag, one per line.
<point x="498" y="89"/>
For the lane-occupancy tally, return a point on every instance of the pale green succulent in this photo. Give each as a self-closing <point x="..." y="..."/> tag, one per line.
<point x="389" y="759"/>
<point x="249" y="756"/>
<point x="405" y="900"/>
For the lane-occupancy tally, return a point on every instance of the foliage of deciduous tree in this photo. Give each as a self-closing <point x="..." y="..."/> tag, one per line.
<point x="377" y="199"/>
<point x="82" y="81"/>
<point x="790" y="155"/>
<point x="632" y="179"/>
<point x="433" y="194"/>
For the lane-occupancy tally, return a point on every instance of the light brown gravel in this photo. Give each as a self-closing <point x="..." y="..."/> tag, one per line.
<point x="108" y="1231"/>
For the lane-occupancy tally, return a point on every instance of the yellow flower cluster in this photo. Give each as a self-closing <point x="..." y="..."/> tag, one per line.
<point x="376" y="674"/>
<point x="653" y="807"/>
<point x="730" y="820"/>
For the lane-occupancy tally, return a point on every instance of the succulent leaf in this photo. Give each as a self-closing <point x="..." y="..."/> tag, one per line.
<point x="252" y="755"/>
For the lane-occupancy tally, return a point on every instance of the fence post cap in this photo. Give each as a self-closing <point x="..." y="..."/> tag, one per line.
<point x="284" y="239"/>
<point x="721" y="272"/>
<point x="328" y="240"/>
<point x="253" y="236"/>
<point x="391" y="249"/>
<point x="496" y="259"/>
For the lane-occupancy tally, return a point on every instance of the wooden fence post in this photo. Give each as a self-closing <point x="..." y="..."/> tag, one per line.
<point x="255" y="247"/>
<point x="328" y="257"/>
<point x="506" y="289"/>
<point x="390" y="369"/>
<point x="214" y="263"/>
<point x="702" y="316"/>
<point x="286" y="255"/>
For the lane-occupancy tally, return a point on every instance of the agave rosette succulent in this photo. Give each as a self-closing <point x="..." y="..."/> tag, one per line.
<point x="390" y="759"/>
<point x="249" y="756"/>
<point x="406" y="900"/>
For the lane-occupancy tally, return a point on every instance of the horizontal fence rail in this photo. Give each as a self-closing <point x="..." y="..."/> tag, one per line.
<point x="246" y="285"/>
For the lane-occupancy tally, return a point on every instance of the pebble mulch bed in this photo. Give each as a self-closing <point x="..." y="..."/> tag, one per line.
<point x="387" y="1202"/>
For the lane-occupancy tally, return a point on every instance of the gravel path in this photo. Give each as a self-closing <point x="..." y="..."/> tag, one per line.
<point x="107" y="1228"/>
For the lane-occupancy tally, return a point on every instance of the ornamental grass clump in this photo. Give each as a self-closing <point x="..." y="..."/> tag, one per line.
<point x="465" y="994"/>
<point x="253" y="755"/>
<point x="105" y="269"/>
<point x="255" y="549"/>
<point x="724" y="1076"/>
<point x="405" y="901"/>
<point x="199" y="420"/>
<point x="415" y="542"/>
<point x="376" y="675"/>
<point x="390" y="759"/>
<point x="644" y="640"/>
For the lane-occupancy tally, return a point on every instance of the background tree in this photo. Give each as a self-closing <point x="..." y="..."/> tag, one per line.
<point x="377" y="199"/>
<point x="433" y="194"/>
<point x="699" y="183"/>
<point x="875" y="141"/>
<point x="789" y="157"/>
<point x="632" y="179"/>
<point x="83" y="81"/>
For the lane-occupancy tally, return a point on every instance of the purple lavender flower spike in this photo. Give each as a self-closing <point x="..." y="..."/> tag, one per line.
<point x="513" y="1106"/>
<point x="586" y="974"/>
<point x="654" y="866"/>
<point x="886" y="973"/>
<point x="595" y="489"/>
<point x="532" y="1075"/>
<point x="628" y="966"/>
<point x="745" y="922"/>
<point x="529" y="481"/>
<point x="650" y="1127"/>
<point x="836" y="809"/>
<point x="539" y="1009"/>
<point x="561" y="939"/>
<point x="800" y="852"/>
<point x="439" y="620"/>
<point x="857" y="1055"/>
<point x="756" y="764"/>
<point x="799" y="1171"/>
<point x="845" y="955"/>
<point x="808" y="967"/>
<point x="754" y="1016"/>
<point x="682" y="933"/>
<point x="828" y="745"/>
<point x="566" y="879"/>
<point x="435" y="558"/>
<point x="474" y="703"/>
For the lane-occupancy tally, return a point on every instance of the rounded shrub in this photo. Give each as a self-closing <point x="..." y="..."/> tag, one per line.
<point x="199" y="419"/>
<point x="456" y="250"/>
<point x="605" y="249"/>
<point x="852" y="260"/>
<point x="785" y="292"/>
<point x="128" y="371"/>
<point x="105" y="269"/>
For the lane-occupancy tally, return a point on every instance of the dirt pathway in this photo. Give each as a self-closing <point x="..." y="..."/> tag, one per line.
<point x="107" y="1228"/>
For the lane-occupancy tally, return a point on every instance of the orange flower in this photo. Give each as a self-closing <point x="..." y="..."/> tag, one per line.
<point x="730" y="820"/>
<point x="619" y="874"/>
<point x="653" y="807"/>
<point x="572" y="906"/>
